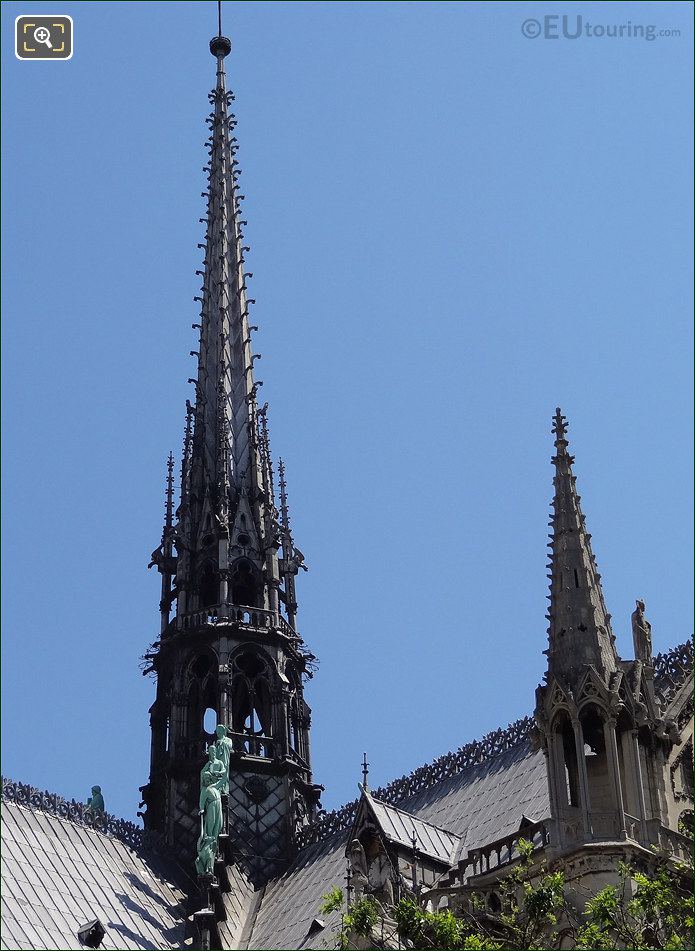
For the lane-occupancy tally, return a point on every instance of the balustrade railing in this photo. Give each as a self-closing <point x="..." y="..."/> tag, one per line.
<point x="503" y="851"/>
<point x="680" y="846"/>
<point x="255" y="744"/>
<point x="668" y="840"/>
<point x="633" y="827"/>
<point x="604" y="825"/>
<point x="230" y="613"/>
<point x="287" y="630"/>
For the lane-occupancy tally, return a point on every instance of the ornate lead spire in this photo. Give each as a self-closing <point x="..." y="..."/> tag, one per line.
<point x="230" y="647"/>
<point x="580" y="626"/>
<point x="225" y="406"/>
<point x="227" y="510"/>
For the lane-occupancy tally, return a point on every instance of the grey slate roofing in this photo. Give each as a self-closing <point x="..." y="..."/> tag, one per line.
<point x="479" y="804"/>
<point x="239" y="905"/>
<point x="398" y="826"/>
<point x="58" y="875"/>
<point x="486" y="801"/>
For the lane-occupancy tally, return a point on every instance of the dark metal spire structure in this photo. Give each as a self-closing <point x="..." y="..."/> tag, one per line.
<point x="227" y="506"/>
<point x="232" y="645"/>
<point x="225" y="406"/>
<point x="580" y="626"/>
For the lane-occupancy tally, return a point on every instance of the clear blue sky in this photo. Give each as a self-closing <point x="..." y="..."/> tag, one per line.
<point x="454" y="229"/>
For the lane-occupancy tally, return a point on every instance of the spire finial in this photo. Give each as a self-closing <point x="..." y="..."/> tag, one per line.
<point x="220" y="46"/>
<point x="365" y="771"/>
<point x="560" y="431"/>
<point x="562" y="460"/>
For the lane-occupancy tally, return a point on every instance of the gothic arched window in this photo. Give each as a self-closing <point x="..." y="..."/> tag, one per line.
<point x="251" y="704"/>
<point x="209" y="587"/>
<point x="244" y="584"/>
<point x="565" y="748"/>
<point x="201" y="696"/>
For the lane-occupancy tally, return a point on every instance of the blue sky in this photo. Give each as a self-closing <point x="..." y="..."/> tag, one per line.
<point x="454" y="229"/>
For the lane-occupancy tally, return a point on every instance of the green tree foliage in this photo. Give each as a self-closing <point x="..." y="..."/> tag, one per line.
<point x="641" y="912"/>
<point x="530" y="910"/>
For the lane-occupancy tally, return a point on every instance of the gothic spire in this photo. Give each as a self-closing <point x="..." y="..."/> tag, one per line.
<point x="225" y="452"/>
<point x="580" y="626"/>
<point x="232" y="645"/>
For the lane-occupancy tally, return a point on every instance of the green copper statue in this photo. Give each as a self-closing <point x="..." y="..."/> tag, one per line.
<point x="223" y="748"/>
<point x="205" y="860"/>
<point x="95" y="803"/>
<point x="213" y="777"/>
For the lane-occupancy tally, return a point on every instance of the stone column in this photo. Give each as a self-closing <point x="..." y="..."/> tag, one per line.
<point x="176" y="723"/>
<point x="280" y="701"/>
<point x="556" y="764"/>
<point x="659" y="774"/>
<point x="639" y="784"/>
<point x="223" y="710"/>
<point x="611" y="743"/>
<point x="584" y="799"/>
<point x="224" y="591"/>
<point x="551" y="772"/>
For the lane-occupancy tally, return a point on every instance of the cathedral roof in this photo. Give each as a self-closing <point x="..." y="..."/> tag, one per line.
<point x="477" y="805"/>
<point x="399" y="827"/>
<point x="58" y="874"/>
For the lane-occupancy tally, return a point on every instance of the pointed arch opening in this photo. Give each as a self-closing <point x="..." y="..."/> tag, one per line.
<point x="592" y="719"/>
<point x="566" y="766"/>
<point x="251" y="704"/>
<point x="245" y="584"/>
<point x="209" y="720"/>
<point x="208" y="586"/>
<point x="193" y="710"/>
<point x="202" y="695"/>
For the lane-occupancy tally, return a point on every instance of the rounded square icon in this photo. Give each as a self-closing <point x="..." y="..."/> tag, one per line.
<point x="43" y="37"/>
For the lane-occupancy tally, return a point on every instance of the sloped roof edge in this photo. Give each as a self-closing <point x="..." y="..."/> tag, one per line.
<point x="671" y="668"/>
<point x="128" y="832"/>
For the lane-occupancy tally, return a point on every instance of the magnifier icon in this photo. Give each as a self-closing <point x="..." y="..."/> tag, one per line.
<point x="43" y="35"/>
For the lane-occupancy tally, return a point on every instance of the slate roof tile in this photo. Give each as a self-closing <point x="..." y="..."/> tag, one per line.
<point x="57" y="875"/>
<point x="478" y="805"/>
